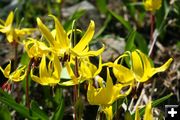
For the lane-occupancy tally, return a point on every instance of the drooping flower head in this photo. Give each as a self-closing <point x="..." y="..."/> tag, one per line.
<point x="142" y="67"/>
<point x="17" y="75"/>
<point x="48" y="75"/>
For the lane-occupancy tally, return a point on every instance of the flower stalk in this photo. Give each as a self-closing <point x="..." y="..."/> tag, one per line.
<point x="152" y="40"/>
<point x="27" y="83"/>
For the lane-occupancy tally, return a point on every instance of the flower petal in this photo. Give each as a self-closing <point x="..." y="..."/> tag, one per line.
<point x="86" y="38"/>
<point x="163" y="67"/>
<point x="7" y="70"/>
<point x="18" y="74"/>
<point x="42" y="68"/>
<point x="137" y="64"/>
<point x="148" y="112"/>
<point x="61" y="36"/>
<point x="9" y="19"/>
<point x="46" y="32"/>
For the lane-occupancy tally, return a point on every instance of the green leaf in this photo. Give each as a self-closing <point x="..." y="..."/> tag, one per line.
<point x="161" y="15"/>
<point x="58" y="114"/>
<point x="161" y="19"/>
<point x="141" y="43"/>
<point x="125" y="23"/>
<point x="18" y="107"/>
<point x="36" y="111"/>
<point x="127" y="116"/>
<point x="25" y="59"/>
<point x="79" y="108"/>
<point x="130" y="41"/>
<point x="139" y="39"/>
<point x="58" y="95"/>
<point x="4" y="113"/>
<point x="5" y="94"/>
<point x="102" y="5"/>
<point x="154" y="104"/>
<point x="116" y="105"/>
<point x="108" y="19"/>
<point x="75" y="16"/>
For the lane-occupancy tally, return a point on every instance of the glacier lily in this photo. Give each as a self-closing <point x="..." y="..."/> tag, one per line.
<point x="16" y="76"/>
<point x="142" y="68"/>
<point x="48" y="75"/>
<point x="12" y="33"/>
<point x="123" y="74"/>
<point x="61" y="44"/>
<point x="105" y="95"/>
<point x="86" y="71"/>
<point x="35" y="48"/>
<point x="152" y="5"/>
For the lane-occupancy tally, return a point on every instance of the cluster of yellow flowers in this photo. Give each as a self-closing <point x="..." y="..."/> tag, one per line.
<point x="57" y="51"/>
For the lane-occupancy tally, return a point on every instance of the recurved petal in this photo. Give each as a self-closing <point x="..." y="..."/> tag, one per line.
<point x="18" y="74"/>
<point x="163" y="67"/>
<point x="123" y="74"/>
<point x="61" y="35"/>
<point x="43" y="69"/>
<point x="46" y="32"/>
<point x="57" y="68"/>
<point x="87" y="53"/>
<point x="80" y="46"/>
<point x="148" y="112"/>
<point x="108" y="111"/>
<point x="24" y="31"/>
<point x="10" y="36"/>
<point x="7" y="70"/>
<point x="145" y="60"/>
<point x="38" y="79"/>
<point x="149" y="73"/>
<point x="71" y="73"/>
<point x="9" y="19"/>
<point x="137" y="64"/>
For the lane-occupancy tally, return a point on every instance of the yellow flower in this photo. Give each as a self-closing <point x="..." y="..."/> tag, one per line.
<point x="16" y="76"/>
<point x="105" y="95"/>
<point x="35" y="48"/>
<point x="123" y="74"/>
<point x="61" y="44"/>
<point x="148" y="112"/>
<point x="48" y="75"/>
<point x="86" y="71"/>
<point x="12" y="33"/>
<point x="152" y="5"/>
<point x="142" y="68"/>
